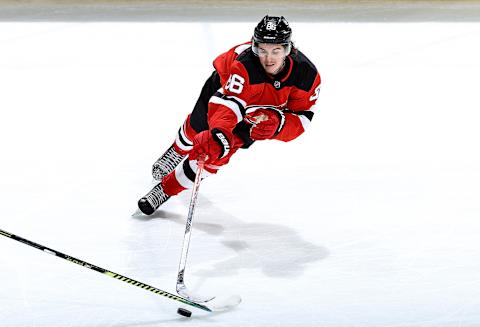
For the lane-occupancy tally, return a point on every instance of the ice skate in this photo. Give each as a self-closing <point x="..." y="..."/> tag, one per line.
<point x="152" y="200"/>
<point x="166" y="163"/>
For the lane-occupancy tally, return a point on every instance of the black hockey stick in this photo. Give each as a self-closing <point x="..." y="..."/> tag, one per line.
<point x="105" y="271"/>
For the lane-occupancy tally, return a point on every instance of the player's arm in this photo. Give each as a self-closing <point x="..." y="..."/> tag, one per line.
<point x="300" y="112"/>
<point x="226" y="109"/>
<point x="286" y="125"/>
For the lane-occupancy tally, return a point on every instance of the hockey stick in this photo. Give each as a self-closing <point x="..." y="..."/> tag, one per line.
<point x="107" y="272"/>
<point x="222" y="304"/>
<point x="181" y="288"/>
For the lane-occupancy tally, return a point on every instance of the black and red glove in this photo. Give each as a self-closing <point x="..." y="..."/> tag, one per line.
<point x="267" y="123"/>
<point x="216" y="144"/>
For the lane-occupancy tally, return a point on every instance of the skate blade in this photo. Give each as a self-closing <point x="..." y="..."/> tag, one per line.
<point x="137" y="213"/>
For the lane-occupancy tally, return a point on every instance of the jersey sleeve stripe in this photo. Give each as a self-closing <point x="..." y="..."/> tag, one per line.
<point x="308" y="114"/>
<point x="220" y="94"/>
<point x="230" y="102"/>
<point x="238" y="50"/>
<point x="305" y="116"/>
<point x="305" y="121"/>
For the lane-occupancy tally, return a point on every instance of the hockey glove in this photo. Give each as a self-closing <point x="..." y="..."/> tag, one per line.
<point x="216" y="144"/>
<point x="267" y="123"/>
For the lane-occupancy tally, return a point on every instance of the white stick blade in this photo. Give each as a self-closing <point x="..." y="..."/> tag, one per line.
<point x="186" y="293"/>
<point x="224" y="303"/>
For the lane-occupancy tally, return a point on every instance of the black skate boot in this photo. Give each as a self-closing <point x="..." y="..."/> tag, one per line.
<point x="166" y="163"/>
<point x="152" y="200"/>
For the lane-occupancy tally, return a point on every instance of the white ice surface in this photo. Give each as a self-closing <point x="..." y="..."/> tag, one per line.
<point x="369" y="219"/>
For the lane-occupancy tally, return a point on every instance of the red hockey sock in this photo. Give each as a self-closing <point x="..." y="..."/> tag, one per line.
<point x="170" y="185"/>
<point x="178" y="150"/>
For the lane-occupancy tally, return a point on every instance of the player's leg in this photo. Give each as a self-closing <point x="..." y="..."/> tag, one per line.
<point x="175" y="153"/>
<point x="195" y="123"/>
<point x="182" y="178"/>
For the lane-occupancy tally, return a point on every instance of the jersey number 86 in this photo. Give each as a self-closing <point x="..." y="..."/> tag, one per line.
<point x="235" y="84"/>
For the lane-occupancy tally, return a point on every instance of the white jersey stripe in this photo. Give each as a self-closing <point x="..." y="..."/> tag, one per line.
<point x="243" y="103"/>
<point x="241" y="48"/>
<point x="181" y="145"/>
<point x="194" y="166"/>
<point x="182" y="179"/>
<point x="304" y="120"/>
<point x="184" y="136"/>
<point x="229" y="104"/>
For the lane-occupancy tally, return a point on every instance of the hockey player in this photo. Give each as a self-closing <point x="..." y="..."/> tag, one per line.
<point x="261" y="90"/>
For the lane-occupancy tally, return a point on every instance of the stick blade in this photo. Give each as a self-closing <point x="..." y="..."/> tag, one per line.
<point x="224" y="303"/>
<point x="183" y="291"/>
<point x="214" y="303"/>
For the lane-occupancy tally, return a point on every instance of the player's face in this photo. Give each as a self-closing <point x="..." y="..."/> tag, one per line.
<point x="271" y="57"/>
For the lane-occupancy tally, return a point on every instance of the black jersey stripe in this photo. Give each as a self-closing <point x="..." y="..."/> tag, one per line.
<point x="228" y="98"/>
<point x="188" y="171"/>
<point x="306" y="113"/>
<point x="182" y="139"/>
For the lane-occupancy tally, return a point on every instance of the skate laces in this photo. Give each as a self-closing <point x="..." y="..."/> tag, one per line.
<point x="157" y="196"/>
<point x="168" y="161"/>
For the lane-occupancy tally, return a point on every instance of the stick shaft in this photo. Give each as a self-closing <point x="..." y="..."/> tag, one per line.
<point x="188" y="227"/>
<point x="103" y="270"/>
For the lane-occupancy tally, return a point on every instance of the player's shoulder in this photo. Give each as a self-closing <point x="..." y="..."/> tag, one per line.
<point x="304" y="71"/>
<point x="248" y="62"/>
<point x="301" y="59"/>
<point x="239" y="60"/>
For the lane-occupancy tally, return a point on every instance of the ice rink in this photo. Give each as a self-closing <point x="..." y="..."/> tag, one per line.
<point x="368" y="219"/>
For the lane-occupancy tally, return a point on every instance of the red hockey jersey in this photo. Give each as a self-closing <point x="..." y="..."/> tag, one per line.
<point x="246" y="87"/>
